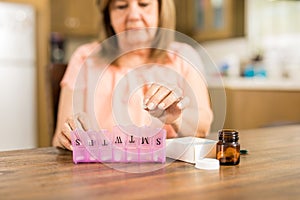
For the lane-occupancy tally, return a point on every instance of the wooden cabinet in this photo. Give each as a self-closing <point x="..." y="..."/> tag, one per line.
<point x="74" y="17"/>
<point x="210" y="19"/>
<point x="247" y="109"/>
<point x="249" y="104"/>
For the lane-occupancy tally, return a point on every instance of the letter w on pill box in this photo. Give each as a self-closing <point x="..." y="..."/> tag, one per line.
<point x="190" y="149"/>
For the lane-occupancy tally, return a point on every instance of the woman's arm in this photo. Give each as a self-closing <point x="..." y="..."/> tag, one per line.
<point x="184" y="108"/>
<point x="65" y="118"/>
<point x="197" y="117"/>
<point x="62" y="137"/>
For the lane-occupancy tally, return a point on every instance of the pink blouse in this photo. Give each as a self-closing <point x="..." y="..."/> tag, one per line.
<point x="117" y="95"/>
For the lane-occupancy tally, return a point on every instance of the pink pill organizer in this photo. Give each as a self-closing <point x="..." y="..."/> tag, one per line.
<point x="123" y="144"/>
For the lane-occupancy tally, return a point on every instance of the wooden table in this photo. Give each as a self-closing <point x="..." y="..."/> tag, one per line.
<point x="271" y="170"/>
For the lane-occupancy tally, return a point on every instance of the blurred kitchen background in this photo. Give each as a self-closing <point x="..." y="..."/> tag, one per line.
<point x="253" y="43"/>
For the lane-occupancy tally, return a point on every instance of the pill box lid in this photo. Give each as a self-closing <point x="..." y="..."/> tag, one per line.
<point x="189" y="149"/>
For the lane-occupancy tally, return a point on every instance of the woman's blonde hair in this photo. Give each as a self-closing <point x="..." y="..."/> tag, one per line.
<point x="167" y="17"/>
<point x="167" y="20"/>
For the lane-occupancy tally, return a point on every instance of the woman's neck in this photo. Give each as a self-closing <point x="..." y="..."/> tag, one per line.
<point x="134" y="59"/>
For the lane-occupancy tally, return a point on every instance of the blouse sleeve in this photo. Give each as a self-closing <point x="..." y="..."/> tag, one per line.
<point x="196" y="78"/>
<point x="191" y="67"/>
<point x="76" y="61"/>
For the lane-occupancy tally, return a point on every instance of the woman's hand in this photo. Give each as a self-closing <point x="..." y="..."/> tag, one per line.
<point x="62" y="137"/>
<point x="165" y="103"/>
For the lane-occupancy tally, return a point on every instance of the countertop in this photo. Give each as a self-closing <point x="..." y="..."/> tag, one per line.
<point x="270" y="170"/>
<point x="240" y="83"/>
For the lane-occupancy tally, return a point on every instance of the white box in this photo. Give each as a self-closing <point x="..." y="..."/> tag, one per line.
<point x="190" y="149"/>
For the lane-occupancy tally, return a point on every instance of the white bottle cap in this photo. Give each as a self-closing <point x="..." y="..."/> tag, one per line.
<point x="207" y="164"/>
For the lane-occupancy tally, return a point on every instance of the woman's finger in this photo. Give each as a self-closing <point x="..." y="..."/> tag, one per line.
<point x="83" y="121"/>
<point x="169" y="100"/>
<point x="64" y="138"/>
<point x="150" y="92"/>
<point x="158" y="97"/>
<point x="182" y="104"/>
<point x="66" y="130"/>
<point x="64" y="142"/>
<point x="71" y="123"/>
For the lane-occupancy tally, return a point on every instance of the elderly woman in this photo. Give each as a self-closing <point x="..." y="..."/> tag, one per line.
<point x="136" y="44"/>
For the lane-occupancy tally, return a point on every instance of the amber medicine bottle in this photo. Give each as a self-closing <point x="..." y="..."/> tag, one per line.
<point x="228" y="148"/>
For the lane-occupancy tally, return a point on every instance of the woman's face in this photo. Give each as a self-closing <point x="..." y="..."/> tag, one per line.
<point x="133" y="16"/>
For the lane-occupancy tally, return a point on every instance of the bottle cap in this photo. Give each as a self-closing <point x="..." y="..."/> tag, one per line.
<point x="243" y="151"/>
<point x="207" y="164"/>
